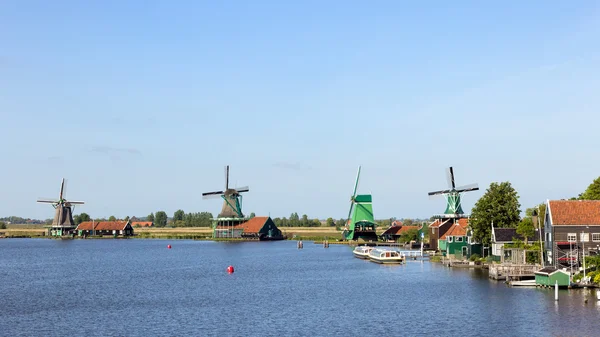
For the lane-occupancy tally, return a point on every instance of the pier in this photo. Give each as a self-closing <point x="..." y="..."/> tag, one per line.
<point x="510" y="272"/>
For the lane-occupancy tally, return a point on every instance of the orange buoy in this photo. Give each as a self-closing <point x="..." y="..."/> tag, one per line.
<point x="169" y="246"/>
<point x="230" y="269"/>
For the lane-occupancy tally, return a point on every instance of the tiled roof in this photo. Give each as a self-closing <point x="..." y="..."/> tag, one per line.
<point x="457" y="229"/>
<point x="438" y="222"/>
<point x="255" y="224"/>
<point x="398" y="230"/>
<point x="575" y="212"/>
<point x="142" y="223"/>
<point x="102" y="225"/>
<point x="397" y="223"/>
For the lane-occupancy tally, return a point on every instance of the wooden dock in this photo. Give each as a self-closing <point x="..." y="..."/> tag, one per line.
<point x="510" y="272"/>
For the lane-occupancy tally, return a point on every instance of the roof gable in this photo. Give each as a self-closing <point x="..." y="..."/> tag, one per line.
<point x="459" y="228"/>
<point x="255" y="224"/>
<point x="574" y="212"/>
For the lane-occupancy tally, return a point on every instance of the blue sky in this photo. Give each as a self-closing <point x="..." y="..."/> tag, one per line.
<point x="140" y="104"/>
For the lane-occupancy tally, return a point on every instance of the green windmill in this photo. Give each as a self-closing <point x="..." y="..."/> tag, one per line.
<point x="453" y="193"/>
<point x="360" y="222"/>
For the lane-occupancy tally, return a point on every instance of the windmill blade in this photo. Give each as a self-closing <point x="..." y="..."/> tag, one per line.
<point x="47" y="200"/>
<point x="350" y="211"/>
<point x="64" y="189"/>
<point x="211" y="196"/>
<point x="75" y="202"/>
<point x="435" y="196"/>
<point x="226" y="177"/>
<point x="439" y="192"/>
<point x="450" y="177"/>
<point x="356" y="183"/>
<point x="467" y="188"/>
<point x="212" y="193"/>
<point x="243" y="189"/>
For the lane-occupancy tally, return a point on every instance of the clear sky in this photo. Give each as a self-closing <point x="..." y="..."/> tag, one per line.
<point x="140" y="104"/>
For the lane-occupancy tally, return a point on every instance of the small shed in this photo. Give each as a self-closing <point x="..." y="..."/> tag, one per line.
<point x="548" y="276"/>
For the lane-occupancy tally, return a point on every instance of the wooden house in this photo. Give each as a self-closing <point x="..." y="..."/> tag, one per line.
<point x="549" y="276"/>
<point x="258" y="228"/>
<point x="395" y="231"/>
<point x="101" y="228"/>
<point x="455" y="240"/>
<point x="571" y="226"/>
<point x="437" y="229"/>
<point x="504" y="236"/>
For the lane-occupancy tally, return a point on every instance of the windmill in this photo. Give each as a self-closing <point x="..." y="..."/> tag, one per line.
<point x="360" y="222"/>
<point x="232" y="199"/>
<point x="63" y="216"/>
<point x="453" y="203"/>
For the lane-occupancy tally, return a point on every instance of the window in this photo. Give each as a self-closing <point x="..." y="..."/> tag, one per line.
<point x="596" y="237"/>
<point x="571" y="237"/>
<point x="459" y="239"/>
<point x="449" y="239"/>
<point x="432" y="230"/>
<point x="584" y="237"/>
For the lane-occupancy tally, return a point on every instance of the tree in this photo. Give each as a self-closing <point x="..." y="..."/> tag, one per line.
<point x="81" y="218"/>
<point x="112" y="218"/>
<point x="160" y="219"/>
<point x="314" y="223"/>
<point x="592" y="192"/>
<point x="330" y="222"/>
<point x="500" y="205"/>
<point x="407" y="222"/>
<point x="304" y="222"/>
<point x="526" y="229"/>
<point x="150" y="217"/>
<point x="127" y="218"/>
<point x="2" y="225"/>
<point x="178" y="216"/>
<point x="541" y="214"/>
<point x="252" y="215"/>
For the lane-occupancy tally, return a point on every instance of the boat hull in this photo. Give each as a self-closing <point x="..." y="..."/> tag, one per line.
<point x="387" y="261"/>
<point x="361" y="256"/>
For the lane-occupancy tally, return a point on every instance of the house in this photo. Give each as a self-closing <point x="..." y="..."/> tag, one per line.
<point x="571" y="226"/>
<point x="395" y="231"/>
<point x="115" y="228"/>
<point x="142" y="224"/>
<point x="455" y="240"/>
<point x="504" y="236"/>
<point x="258" y="228"/>
<point x="549" y="276"/>
<point x="438" y="228"/>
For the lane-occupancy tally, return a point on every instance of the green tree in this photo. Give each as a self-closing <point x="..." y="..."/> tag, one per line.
<point x="330" y="222"/>
<point x="314" y="223"/>
<point x="112" y="218"/>
<point x="150" y="217"/>
<point x="2" y="225"/>
<point x="592" y="192"/>
<point x="526" y="229"/>
<point x="500" y="205"/>
<point x="252" y="215"/>
<point x="304" y="222"/>
<point x="179" y="215"/>
<point x="409" y="235"/>
<point x="407" y="222"/>
<point x="79" y="218"/>
<point x="160" y="219"/>
<point x="127" y="218"/>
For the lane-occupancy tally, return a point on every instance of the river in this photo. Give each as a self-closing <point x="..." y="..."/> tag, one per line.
<point x="139" y="287"/>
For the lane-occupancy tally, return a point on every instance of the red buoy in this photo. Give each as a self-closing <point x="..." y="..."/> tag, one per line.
<point x="169" y="246"/>
<point x="230" y="269"/>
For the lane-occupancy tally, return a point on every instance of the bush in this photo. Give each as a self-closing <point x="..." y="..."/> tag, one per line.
<point x="597" y="278"/>
<point x="2" y="225"/>
<point x="474" y="257"/>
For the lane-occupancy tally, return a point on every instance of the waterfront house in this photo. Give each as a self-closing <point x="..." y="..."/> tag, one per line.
<point x="455" y="240"/>
<point x="395" y="231"/>
<point x="142" y="223"/>
<point x="438" y="228"/>
<point x="505" y="236"/>
<point x="258" y="228"/>
<point x="549" y="276"/>
<point x="570" y="227"/>
<point x="114" y="228"/>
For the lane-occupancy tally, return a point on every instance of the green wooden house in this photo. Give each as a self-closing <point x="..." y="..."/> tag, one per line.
<point x="455" y="241"/>
<point x="549" y="276"/>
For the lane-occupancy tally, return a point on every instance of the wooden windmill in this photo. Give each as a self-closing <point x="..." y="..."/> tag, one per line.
<point x="232" y="199"/>
<point x="63" y="216"/>
<point x="453" y="194"/>
<point x="360" y="222"/>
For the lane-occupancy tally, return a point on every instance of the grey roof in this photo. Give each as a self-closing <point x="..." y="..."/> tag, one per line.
<point x="509" y="234"/>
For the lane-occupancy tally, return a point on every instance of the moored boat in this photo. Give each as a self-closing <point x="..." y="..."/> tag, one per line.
<point x="380" y="255"/>
<point x="362" y="252"/>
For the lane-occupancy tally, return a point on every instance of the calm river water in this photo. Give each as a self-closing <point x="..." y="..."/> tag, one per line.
<point x="141" y="288"/>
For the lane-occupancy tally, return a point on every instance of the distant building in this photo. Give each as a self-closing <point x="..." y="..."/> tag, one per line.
<point x="142" y="224"/>
<point x="437" y="229"/>
<point x="570" y="227"/>
<point x="114" y="228"/>
<point x="396" y="230"/>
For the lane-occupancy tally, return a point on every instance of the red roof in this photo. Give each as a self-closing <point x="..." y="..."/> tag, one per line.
<point x="103" y="225"/>
<point x="251" y="226"/>
<point x="142" y="223"/>
<point x="399" y="230"/>
<point x="457" y="229"/>
<point x="438" y="222"/>
<point x="575" y="212"/>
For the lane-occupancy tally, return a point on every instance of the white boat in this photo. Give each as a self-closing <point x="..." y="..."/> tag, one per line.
<point x="362" y="252"/>
<point x="382" y="255"/>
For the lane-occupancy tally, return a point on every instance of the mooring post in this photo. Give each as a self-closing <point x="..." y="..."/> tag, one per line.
<point x="556" y="290"/>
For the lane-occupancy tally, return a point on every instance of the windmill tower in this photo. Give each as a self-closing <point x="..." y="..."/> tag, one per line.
<point x="360" y="222"/>
<point x="453" y="204"/>
<point x="231" y="212"/>
<point x="63" y="223"/>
